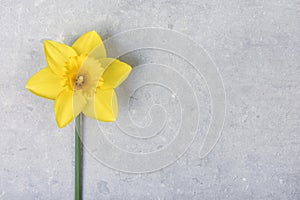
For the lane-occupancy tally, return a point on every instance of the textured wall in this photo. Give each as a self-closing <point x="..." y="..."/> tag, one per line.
<point x="256" y="46"/>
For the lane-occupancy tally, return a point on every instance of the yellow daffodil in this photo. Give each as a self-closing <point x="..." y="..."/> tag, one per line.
<point x="79" y="79"/>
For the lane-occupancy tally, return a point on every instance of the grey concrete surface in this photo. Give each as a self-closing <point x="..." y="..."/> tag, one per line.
<point x="256" y="46"/>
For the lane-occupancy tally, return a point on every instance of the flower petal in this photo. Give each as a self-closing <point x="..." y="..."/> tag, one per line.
<point x="115" y="73"/>
<point x="45" y="84"/>
<point x="67" y="106"/>
<point x="88" y="42"/>
<point x="103" y="107"/>
<point x="57" y="54"/>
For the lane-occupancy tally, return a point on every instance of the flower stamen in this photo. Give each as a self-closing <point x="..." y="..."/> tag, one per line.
<point x="79" y="81"/>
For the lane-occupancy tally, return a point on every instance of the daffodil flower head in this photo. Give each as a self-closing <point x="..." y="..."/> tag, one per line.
<point x="79" y="79"/>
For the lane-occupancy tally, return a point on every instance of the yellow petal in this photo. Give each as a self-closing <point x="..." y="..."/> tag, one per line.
<point x="103" y="106"/>
<point x="45" y="84"/>
<point x="115" y="73"/>
<point x="86" y="43"/>
<point x="67" y="106"/>
<point x="57" y="54"/>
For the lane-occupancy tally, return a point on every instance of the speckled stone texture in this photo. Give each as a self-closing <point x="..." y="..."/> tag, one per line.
<point x="256" y="46"/>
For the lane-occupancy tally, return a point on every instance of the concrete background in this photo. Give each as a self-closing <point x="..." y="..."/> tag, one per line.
<point x="256" y="46"/>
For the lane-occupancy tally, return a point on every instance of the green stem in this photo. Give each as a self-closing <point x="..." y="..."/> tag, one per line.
<point x="77" y="158"/>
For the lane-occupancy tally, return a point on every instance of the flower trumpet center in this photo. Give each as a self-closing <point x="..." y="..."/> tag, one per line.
<point x="83" y="74"/>
<point x="79" y="82"/>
